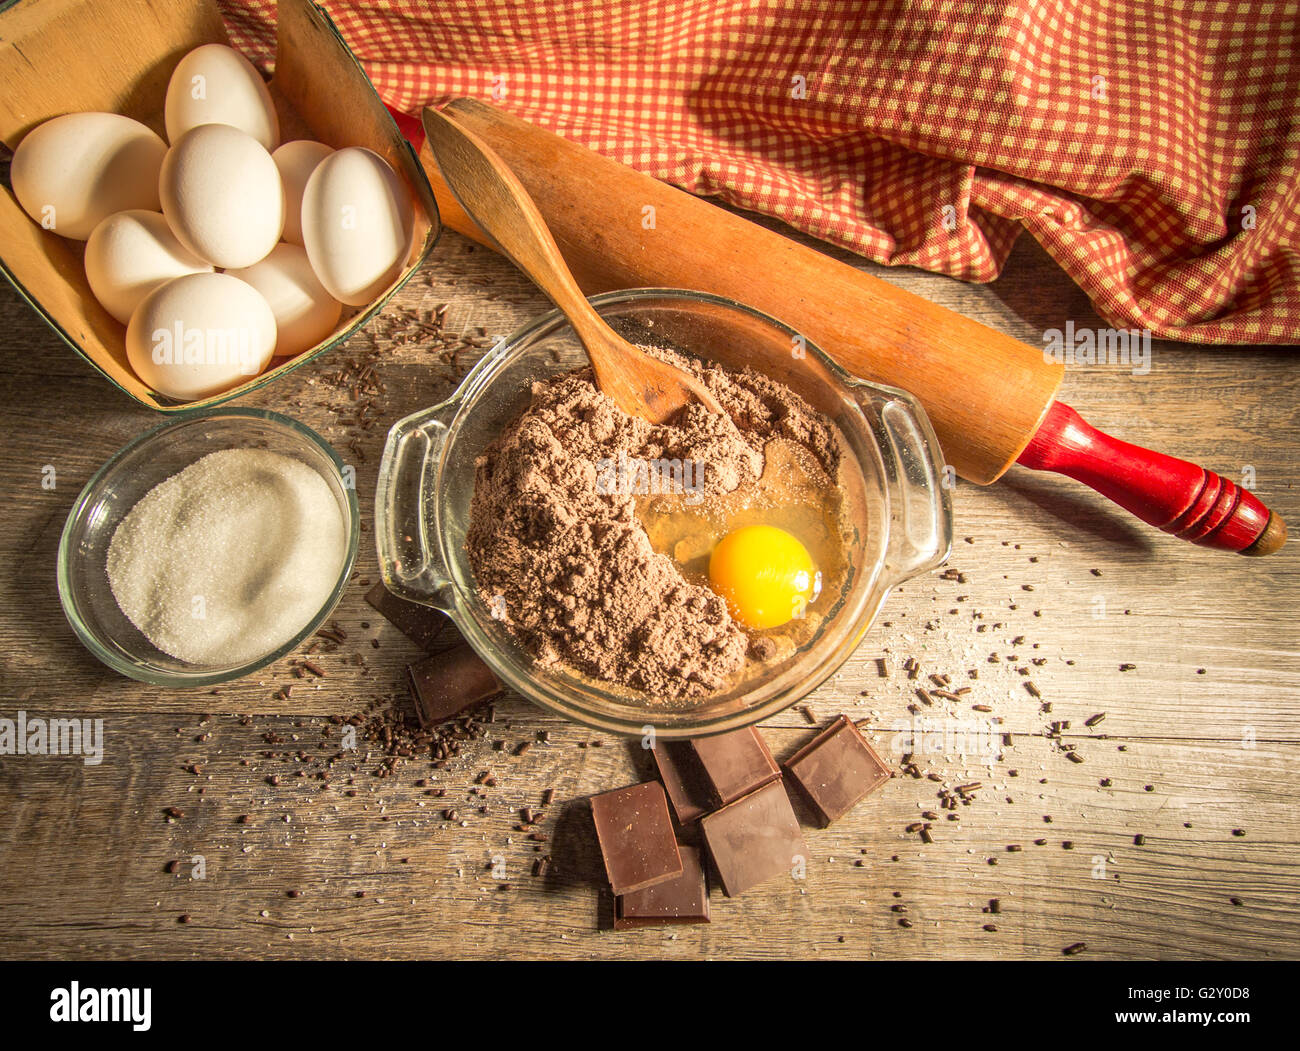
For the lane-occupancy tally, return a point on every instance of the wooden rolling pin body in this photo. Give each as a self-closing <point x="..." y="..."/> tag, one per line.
<point x="989" y="397"/>
<point x="986" y="393"/>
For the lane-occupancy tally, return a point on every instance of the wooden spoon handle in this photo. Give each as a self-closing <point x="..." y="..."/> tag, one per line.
<point x="487" y="189"/>
<point x="1170" y="494"/>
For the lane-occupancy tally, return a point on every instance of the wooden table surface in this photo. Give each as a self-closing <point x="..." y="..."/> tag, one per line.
<point x="1196" y="753"/>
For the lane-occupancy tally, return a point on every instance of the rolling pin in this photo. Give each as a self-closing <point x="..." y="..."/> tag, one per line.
<point x="991" y="398"/>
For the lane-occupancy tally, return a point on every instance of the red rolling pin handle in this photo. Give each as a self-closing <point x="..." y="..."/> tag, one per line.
<point x="1174" y="495"/>
<point x="410" y="127"/>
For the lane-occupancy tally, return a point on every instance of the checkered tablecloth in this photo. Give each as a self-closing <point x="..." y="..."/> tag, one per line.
<point x="1153" y="148"/>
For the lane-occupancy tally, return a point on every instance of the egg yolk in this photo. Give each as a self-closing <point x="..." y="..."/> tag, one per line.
<point x="764" y="574"/>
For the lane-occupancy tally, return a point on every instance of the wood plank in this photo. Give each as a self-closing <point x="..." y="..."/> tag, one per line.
<point x="95" y="840"/>
<point x="101" y="836"/>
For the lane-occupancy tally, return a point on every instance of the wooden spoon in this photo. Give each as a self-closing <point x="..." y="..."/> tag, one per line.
<point x="496" y="200"/>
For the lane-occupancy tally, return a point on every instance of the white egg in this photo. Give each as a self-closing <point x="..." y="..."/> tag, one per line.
<point x="74" y="171"/>
<point x="215" y="84"/>
<point x="222" y="196"/>
<point x="304" y="312"/>
<point x="356" y="224"/>
<point x="199" y="335"/>
<point x="296" y="161"/>
<point x="130" y="254"/>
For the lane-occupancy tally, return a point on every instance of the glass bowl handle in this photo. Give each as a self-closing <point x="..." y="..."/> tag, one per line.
<point x="920" y="497"/>
<point x="410" y="558"/>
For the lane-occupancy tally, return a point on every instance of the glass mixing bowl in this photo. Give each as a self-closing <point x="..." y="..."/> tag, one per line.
<point x="119" y="485"/>
<point x="426" y="481"/>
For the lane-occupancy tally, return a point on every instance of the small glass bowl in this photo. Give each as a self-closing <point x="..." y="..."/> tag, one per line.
<point x="107" y="498"/>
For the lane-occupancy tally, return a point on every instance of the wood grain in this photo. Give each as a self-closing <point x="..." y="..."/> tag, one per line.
<point x="83" y="848"/>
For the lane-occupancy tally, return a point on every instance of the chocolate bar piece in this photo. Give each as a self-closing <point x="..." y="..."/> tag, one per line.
<point x="754" y="839"/>
<point x="681" y="900"/>
<point x="421" y="624"/>
<point x="684" y="780"/>
<point x="449" y="682"/>
<point x="735" y="763"/>
<point x="636" y="837"/>
<point x="837" y="770"/>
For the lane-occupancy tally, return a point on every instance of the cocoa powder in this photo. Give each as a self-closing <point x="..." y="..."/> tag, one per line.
<point x="558" y="551"/>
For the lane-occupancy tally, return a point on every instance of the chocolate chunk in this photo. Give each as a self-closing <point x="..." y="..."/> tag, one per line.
<point x="449" y="682"/>
<point x="421" y="624"/>
<point x="636" y="837"/>
<point x="681" y="900"/>
<point x="735" y="763"/>
<point x="684" y="780"/>
<point x="837" y="770"/>
<point x="754" y="838"/>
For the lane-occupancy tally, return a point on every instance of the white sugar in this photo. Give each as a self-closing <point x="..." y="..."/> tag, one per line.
<point x="230" y="558"/>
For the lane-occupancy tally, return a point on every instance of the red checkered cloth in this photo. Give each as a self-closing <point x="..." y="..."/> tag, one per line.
<point x="1153" y="148"/>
